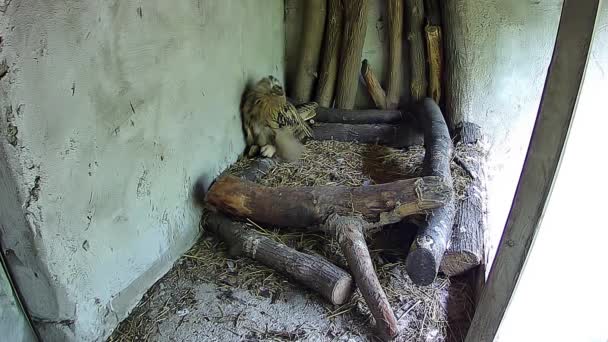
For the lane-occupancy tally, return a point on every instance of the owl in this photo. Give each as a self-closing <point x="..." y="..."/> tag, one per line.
<point x="272" y="124"/>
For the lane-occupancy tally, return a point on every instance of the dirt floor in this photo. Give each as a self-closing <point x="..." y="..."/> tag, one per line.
<point x="209" y="296"/>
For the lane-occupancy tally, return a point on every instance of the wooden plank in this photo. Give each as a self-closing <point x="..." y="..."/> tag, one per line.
<point x="550" y="133"/>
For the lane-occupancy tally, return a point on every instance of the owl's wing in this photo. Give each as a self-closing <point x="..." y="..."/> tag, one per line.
<point x="307" y="111"/>
<point x="288" y="116"/>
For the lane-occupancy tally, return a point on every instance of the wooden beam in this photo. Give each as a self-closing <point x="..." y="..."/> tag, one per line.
<point x="310" y="50"/>
<point x="358" y="116"/>
<point x="555" y="114"/>
<point x="397" y="136"/>
<point x="328" y="71"/>
<point x="307" y="206"/>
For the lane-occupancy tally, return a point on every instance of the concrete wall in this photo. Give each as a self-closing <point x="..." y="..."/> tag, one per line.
<point x="109" y="112"/>
<point x="561" y="295"/>
<point x="506" y="50"/>
<point x="13" y="322"/>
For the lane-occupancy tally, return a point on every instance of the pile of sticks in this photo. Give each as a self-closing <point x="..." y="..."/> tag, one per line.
<point x="448" y="240"/>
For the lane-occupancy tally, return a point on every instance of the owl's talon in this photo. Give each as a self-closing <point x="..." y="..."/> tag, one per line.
<point x="268" y="151"/>
<point x="253" y="151"/>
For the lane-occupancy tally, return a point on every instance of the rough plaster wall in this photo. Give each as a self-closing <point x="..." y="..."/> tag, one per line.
<point x="507" y="50"/>
<point x="109" y="112"/>
<point x="13" y="323"/>
<point x="375" y="48"/>
<point x="546" y="307"/>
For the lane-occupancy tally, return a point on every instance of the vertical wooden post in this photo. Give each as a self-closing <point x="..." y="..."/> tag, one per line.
<point x="355" y="24"/>
<point x="414" y="10"/>
<point x="395" y="47"/>
<point x="328" y="71"/>
<point x="555" y="114"/>
<point x="310" y="49"/>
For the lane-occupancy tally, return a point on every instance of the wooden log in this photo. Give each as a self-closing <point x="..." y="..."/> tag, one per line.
<point x="358" y="116"/>
<point x="466" y="249"/>
<point x="355" y="24"/>
<point x="313" y="271"/>
<point x="328" y="71"/>
<point x="303" y="207"/>
<point x="373" y="85"/>
<point x="414" y="11"/>
<point x="395" y="47"/>
<point x="434" y="47"/>
<point x="312" y="37"/>
<point x="458" y="94"/>
<point x="349" y="233"/>
<point x="398" y="136"/>
<point x="427" y="250"/>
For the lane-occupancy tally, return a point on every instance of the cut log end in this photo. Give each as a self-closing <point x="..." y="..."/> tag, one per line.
<point x="421" y="266"/>
<point x="342" y="291"/>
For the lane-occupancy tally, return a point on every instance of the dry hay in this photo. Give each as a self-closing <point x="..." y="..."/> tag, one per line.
<point x="421" y="311"/>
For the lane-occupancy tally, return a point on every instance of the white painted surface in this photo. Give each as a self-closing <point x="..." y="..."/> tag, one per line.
<point x="562" y="293"/>
<point x="120" y="106"/>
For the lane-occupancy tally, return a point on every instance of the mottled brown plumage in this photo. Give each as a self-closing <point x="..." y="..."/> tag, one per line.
<point x="273" y="124"/>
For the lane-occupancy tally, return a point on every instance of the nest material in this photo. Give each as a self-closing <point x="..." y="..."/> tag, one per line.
<point x="422" y="312"/>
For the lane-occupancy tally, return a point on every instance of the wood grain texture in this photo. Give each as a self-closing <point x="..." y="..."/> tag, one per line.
<point x="313" y="271"/>
<point x="466" y="249"/>
<point x="395" y="51"/>
<point x="414" y="17"/>
<point x="358" y="116"/>
<point x="355" y="24"/>
<point x="393" y="135"/>
<point x="430" y="244"/>
<point x="434" y="49"/>
<point x="549" y="136"/>
<point x="303" y="207"/>
<point x="349" y="233"/>
<point x="312" y="37"/>
<point x="328" y="70"/>
<point x="373" y="85"/>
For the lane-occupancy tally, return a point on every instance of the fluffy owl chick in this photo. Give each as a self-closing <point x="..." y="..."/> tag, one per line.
<point x="272" y="124"/>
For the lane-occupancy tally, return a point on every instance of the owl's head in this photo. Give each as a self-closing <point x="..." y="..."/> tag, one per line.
<point x="270" y="85"/>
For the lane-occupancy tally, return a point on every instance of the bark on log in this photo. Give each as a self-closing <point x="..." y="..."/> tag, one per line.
<point x="431" y="242"/>
<point x="466" y="249"/>
<point x="398" y="136"/>
<point x="358" y="116"/>
<point x="434" y="47"/>
<point x="414" y="11"/>
<point x="315" y="272"/>
<point x="373" y="85"/>
<point x="349" y="233"/>
<point x="458" y="92"/>
<point x="328" y="71"/>
<point x="395" y="48"/>
<point x="303" y="207"/>
<point x="312" y="37"/>
<point x="355" y="24"/>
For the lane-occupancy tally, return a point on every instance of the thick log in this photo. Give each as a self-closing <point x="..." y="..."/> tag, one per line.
<point x="458" y="91"/>
<point x="358" y="116"/>
<point x="349" y="233"/>
<point x="312" y="37"/>
<point x="427" y="250"/>
<point x="303" y="207"/>
<point x="395" y="48"/>
<point x="414" y="11"/>
<point x="313" y="271"/>
<point x="328" y="71"/>
<point x="355" y="24"/>
<point x="466" y="249"/>
<point x="373" y="85"/>
<point x="398" y="136"/>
